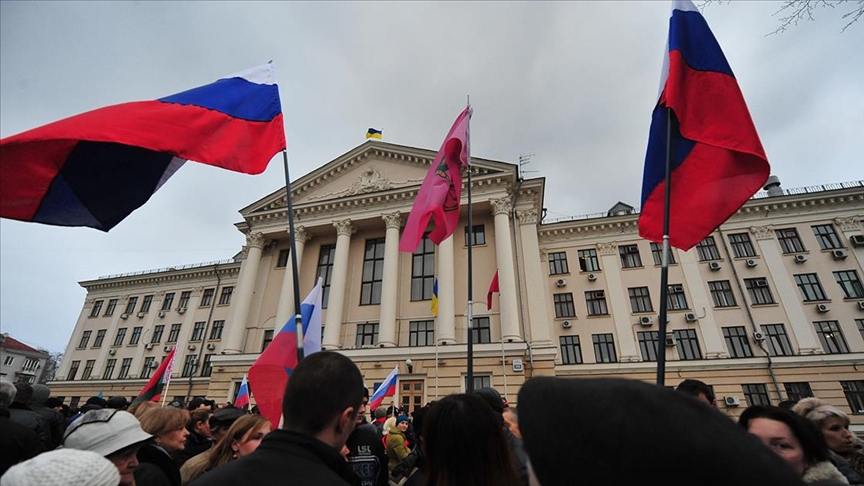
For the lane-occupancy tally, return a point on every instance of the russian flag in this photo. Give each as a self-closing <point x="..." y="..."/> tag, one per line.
<point x="95" y="168"/>
<point x="310" y="311"/>
<point x="717" y="160"/>
<point x="386" y="389"/>
<point x="242" y="394"/>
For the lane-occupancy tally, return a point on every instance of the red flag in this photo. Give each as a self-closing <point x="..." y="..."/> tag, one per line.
<point x="441" y="191"/>
<point x="493" y="287"/>
<point x="153" y="389"/>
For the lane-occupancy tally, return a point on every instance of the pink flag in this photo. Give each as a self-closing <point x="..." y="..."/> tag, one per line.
<point x="441" y="191"/>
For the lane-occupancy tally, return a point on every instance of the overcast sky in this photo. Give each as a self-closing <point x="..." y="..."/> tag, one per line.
<point x="572" y="83"/>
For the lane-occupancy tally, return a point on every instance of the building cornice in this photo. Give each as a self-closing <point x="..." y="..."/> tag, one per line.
<point x="167" y="277"/>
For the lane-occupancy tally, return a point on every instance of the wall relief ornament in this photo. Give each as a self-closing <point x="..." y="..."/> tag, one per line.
<point x="607" y="248"/>
<point x="848" y="224"/>
<point x="370" y="180"/>
<point x="763" y="232"/>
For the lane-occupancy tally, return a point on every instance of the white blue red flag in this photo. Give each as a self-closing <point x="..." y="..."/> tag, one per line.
<point x="310" y="310"/>
<point x="386" y="389"/>
<point x="242" y="394"/>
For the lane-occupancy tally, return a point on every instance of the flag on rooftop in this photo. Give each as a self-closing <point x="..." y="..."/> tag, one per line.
<point x="373" y="133"/>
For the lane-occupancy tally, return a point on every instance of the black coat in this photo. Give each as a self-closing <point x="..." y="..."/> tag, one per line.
<point x="23" y="415"/>
<point x="367" y="456"/>
<point x="156" y="467"/>
<point x="17" y="442"/>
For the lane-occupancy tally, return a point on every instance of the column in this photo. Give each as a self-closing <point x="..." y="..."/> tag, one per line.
<point x="235" y="327"/>
<point x="702" y="305"/>
<point x="534" y="285"/>
<point x="619" y="304"/>
<point x="286" y="296"/>
<point x="339" y="279"/>
<point x="389" y="284"/>
<point x="508" y="297"/>
<point x="445" y="333"/>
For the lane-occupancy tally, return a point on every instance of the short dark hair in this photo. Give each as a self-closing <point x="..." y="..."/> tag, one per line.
<point x="320" y="388"/>
<point x="25" y="392"/>
<point x="695" y="387"/>
<point x="811" y="438"/>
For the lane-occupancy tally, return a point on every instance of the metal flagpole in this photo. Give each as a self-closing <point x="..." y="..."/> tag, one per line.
<point x="298" y="319"/>
<point x="469" y="387"/>
<point x="664" y="269"/>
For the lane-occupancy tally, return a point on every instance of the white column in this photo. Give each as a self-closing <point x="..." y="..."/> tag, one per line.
<point x="534" y="285"/>
<point x="702" y="305"/>
<point x="339" y="279"/>
<point x="286" y="296"/>
<point x="508" y="297"/>
<point x="446" y="330"/>
<point x="619" y="304"/>
<point x="389" y="285"/>
<point x="235" y="327"/>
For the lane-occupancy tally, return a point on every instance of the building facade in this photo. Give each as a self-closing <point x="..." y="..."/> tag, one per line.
<point x="20" y="363"/>
<point x="770" y="306"/>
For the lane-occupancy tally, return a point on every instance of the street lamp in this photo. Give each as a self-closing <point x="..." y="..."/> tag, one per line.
<point x="410" y="365"/>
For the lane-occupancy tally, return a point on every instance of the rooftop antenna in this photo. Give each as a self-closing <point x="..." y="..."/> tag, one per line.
<point x="524" y="160"/>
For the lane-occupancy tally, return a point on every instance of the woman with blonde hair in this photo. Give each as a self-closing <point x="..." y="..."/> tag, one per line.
<point x="168" y="426"/>
<point x="847" y="451"/>
<point x="242" y="438"/>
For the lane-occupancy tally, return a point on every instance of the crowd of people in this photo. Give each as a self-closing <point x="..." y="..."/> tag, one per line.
<point x="591" y="431"/>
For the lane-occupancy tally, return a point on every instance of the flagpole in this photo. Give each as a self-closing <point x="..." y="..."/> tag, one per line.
<point x="664" y="269"/>
<point x="469" y="387"/>
<point x="298" y="318"/>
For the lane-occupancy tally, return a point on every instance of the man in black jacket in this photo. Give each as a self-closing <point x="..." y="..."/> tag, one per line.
<point x="319" y="409"/>
<point x="17" y="442"/>
<point x="366" y="453"/>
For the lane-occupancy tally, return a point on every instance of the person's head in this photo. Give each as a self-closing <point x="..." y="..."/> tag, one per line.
<point x="832" y="421"/>
<point x="361" y="415"/>
<point x="323" y="397"/>
<point x="199" y="403"/>
<point x="791" y="436"/>
<point x="241" y="439"/>
<point x="138" y="409"/>
<point x="402" y="423"/>
<point x="464" y="443"/>
<point x="511" y="420"/>
<point x="40" y="395"/>
<point x="7" y="394"/>
<point x="168" y="425"/>
<point x="118" y="403"/>
<point x="114" y="434"/>
<point x="69" y="467"/>
<point x="698" y="390"/>
<point x="199" y="422"/>
<point x="25" y="393"/>
<point x="55" y="403"/>
<point x="222" y="420"/>
<point x="492" y="398"/>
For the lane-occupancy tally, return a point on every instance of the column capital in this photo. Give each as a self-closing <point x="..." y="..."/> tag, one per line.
<point x="197" y="291"/>
<point x="301" y="234"/>
<point x="848" y="224"/>
<point x="393" y="220"/>
<point x="344" y="227"/>
<point x="544" y="254"/>
<point x="607" y="248"/>
<point x="160" y="294"/>
<point x="89" y="302"/>
<point x="255" y="240"/>
<point x="529" y="216"/>
<point x="500" y="206"/>
<point x="763" y="232"/>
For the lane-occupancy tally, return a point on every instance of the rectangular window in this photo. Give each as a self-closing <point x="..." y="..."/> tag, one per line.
<point x="760" y="293"/>
<point x="174" y="333"/>
<point x="373" y="272"/>
<point x="558" y="263"/>
<point x="198" y="331"/>
<point x="225" y="297"/>
<point x="854" y="391"/>
<point x="207" y="367"/>
<point x="777" y="340"/>
<point x="88" y="369"/>
<point x="564" y="305"/>
<point x="649" y="344"/>
<point x="604" y="348"/>
<point x="124" y="369"/>
<point x="798" y="390"/>
<point x="282" y="260"/>
<point x="109" y="369"/>
<point x="30" y="364"/>
<point x="9" y="360"/>
<point x="833" y="341"/>
<point x="421" y="333"/>
<point x="367" y="335"/>
<point x="146" y="303"/>
<point x="100" y="336"/>
<point x="657" y="253"/>
<point x="268" y="338"/>
<point x="860" y="324"/>
<point x="737" y="342"/>
<point x="571" y="350"/>
<point x="707" y="249"/>
<point x="325" y="271"/>
<point x="479" y="234"/>
<point x="756" y="394"/>
<point x="130" y="305"/>
<point x="184" y="299"/>
<point x="121" y="335"/>
<point x="149" y="366"/>
<point x="136" y="335"/>
<point x="629" y="256"/>
<point x="810" y="287"/>
<point x="423" y="270"/>
<point x="85" y="339"/>
<point x="480" y="381"/>
<point x="168" y="301"/>
<point x="596" y="302"/>
<point x="687" y="344"/>
<point x="207" y="297"/>
<point x="73" y="370"/>
<point x="216" y="332"/>
<point x="640" y="300"/>
<point x="849" y="282"/>
<point x="157" y="334"/>
<point x="827" y="237"/>
<point x="97" y="308"/>
<point x="189" y="365"/>
<point x="742" y="247"/>
<point x="588" y="261"/>
<point x="675" y="298"/>
<point x="789" y="240"/>
<point x="721" y="293"/>
<point x="112" y="304"/>
<point x="482" y="330"/>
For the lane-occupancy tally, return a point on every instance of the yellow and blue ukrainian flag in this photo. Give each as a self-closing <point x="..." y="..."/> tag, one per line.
<point x="373" y="133"/>
<point x="435" y="297"/>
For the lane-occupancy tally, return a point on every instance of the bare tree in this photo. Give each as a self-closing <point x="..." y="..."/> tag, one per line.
<point x="794" y="11"/>
<point x="49" y="371"/>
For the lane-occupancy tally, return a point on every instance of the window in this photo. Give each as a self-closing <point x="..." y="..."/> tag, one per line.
<point x="571" y="350"/>
<point x="146" y="303"/>
<point x="604" y="348"/>
<point x="479" y="234"/>
<point x="759" y="291"/>
<point x="833" y="341"/>
<point x="675" y="298"/>
<point x="100" y="336"/>
<point x="421" y="333"/>
<point x="741" y="245"/>
<point x="588" y="261"/>
<point x="482" y="381"/>
<point x="88" y="369"/>
<point x="9" y="360"/>
<point x="629" y="256"/>
<point x="777" y="340"/>
<point x="649" y="344"/>
<point x="482" y="330"/>
<point x="207" y="298"/>
<point x="216" y="332"/>
<point x="687" y="344"/>
<point x="596" y="302"/>
<point x="130" y="305"/>
<point x="184" y="299"/>
<point x="225" y="297"/>
<point x="423" y="270"/>
<point x="810" y="287"/>
<point x="325" y="271"/>
<point x="657" y="253"/>
<point x="854" y="391"/>
<point x="198" y="331"/>
<point x="112" y="304"/>
<point x="721" y="293"/>
<point x="97" y="308"/>
<point x="157" y="334"/>
<point x="789" y="240"/>
<point x="109" y="369"/>
<point x="168" y="301"/>
<point x="149" y="366"/>
<point x="737" y="342"/>
<point x="121" y="335"/>
<point x="124" y="369"/>
<point x="174" y="333"/>
<point x="85" y="338"/>
<point x="30" y="364"/>
<point x="73" y="370"/>
<point x="189" y="365"/>
<point x="373" y="272"/>
<point x="558" y="263"/>
<point x="860" y="324"/>
<point x="564" y="305"/>
<point x="640" y="300"/>
<point x="207" y="367"/>
<point x="827" y="237"/>
<point x="798" y="390"/>
<point x="849" y="282"/>
<point x="282" y="260"/>
<point x="367" y="335"/>
<point x="136" y="335"/>
<point x="268" y="338"/>
<point x="756" y="394"/>
<point x="707" y="249"/>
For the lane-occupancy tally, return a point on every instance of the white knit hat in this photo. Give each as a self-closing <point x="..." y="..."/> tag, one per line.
<point x="63" y="467"/>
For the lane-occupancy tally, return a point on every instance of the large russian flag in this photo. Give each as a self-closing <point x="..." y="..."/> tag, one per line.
<point x="717" y="162"/>
<point x="95" y="168"/>
<point x="386" y="389"/>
